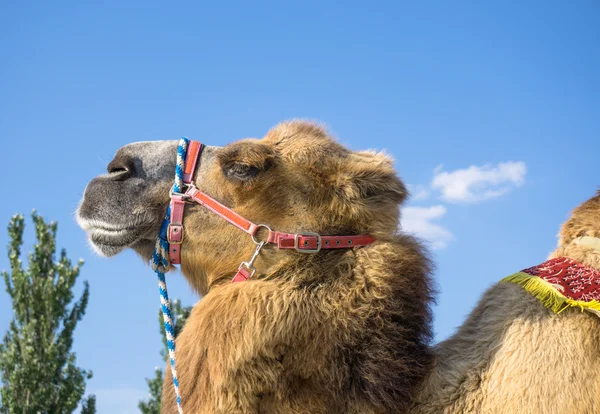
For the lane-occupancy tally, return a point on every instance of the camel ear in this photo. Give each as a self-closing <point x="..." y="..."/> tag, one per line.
<point x="370" y="177"/>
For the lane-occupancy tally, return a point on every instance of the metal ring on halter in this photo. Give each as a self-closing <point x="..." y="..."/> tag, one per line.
<point x="264" y="226"/>
<point x="184" y="196"/>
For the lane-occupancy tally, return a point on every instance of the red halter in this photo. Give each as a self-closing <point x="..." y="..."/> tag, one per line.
<point x="306" y="242"/>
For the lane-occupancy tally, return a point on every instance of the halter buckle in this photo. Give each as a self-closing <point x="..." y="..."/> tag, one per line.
<point x="175" y="229"/>
<point x="310" y="234"/>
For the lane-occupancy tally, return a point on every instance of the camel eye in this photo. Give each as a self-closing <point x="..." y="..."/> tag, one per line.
<point x="240" y="172"/>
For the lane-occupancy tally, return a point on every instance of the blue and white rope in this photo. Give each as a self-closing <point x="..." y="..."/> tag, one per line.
<point x="160" y="264"/>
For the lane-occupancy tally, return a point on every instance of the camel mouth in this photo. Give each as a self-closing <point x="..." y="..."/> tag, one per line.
<point x="109" y="239"/>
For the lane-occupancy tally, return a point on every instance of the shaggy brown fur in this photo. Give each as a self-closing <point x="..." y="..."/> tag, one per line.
<point x="512" y="355"/>
<point x="341" y="331"/>
<point x="336" y="332"/>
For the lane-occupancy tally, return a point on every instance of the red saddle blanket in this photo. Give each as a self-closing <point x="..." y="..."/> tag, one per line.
<point x="562" y="283"/>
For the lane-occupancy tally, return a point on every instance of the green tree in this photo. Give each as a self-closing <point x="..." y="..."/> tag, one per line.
<point x="37" y="366"/>
<point x="89" y="405"/>
<point x="180" y="316"/>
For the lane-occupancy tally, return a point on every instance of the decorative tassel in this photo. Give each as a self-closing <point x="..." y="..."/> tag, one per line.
<point x="549" y="295"/>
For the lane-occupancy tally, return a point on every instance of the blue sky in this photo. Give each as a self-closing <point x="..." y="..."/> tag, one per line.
<point x="491" y="110"/>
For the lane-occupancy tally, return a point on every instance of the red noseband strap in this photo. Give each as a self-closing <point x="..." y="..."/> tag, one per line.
<point x="303" y="242"/>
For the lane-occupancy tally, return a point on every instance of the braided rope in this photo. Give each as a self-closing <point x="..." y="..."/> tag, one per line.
<point x="160" y="264"/>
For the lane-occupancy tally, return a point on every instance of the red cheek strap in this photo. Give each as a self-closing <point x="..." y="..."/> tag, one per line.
<point x="177" y="204"/>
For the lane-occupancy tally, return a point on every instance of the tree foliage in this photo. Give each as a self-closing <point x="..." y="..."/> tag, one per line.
<point x="38" y="369"/>
<point x="89" y="405"/>
<point x="180" y="316"/>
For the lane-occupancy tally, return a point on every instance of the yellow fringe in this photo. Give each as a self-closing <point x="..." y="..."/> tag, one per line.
<point x="549" y="295"/>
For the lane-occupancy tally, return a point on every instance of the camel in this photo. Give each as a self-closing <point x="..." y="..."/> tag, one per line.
<point x="346" y="331"/>
<point x="514" y="355"/>
<point x="335" y="331"/>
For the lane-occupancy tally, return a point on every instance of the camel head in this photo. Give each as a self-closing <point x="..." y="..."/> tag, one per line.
<point x="295" y="179"/>
<point x="579" y="236"/>
<point x="584" y="221"/>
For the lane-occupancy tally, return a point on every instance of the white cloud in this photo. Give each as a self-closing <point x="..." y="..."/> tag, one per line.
<point x="418" y="192"/>
<point x="118" y="400"/>
<point x="418" y="220"/>
<point x="478" y="183"/>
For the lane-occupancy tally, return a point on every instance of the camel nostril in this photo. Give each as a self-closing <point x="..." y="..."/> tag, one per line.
<point x="119" y="174"/>
<point x="120" y="168"/>
<point x="117" y="170"/>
